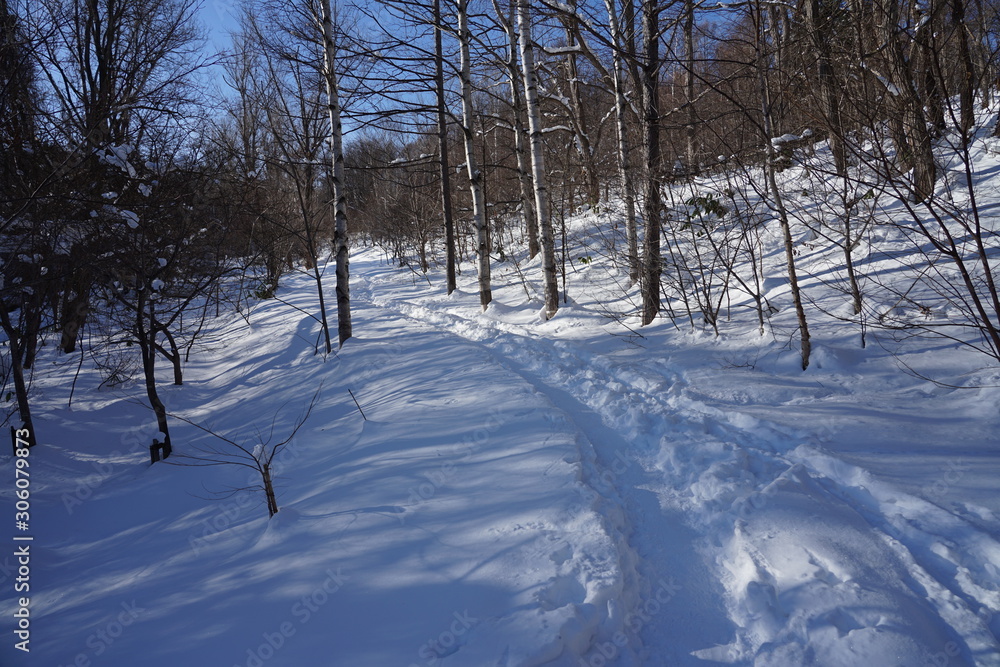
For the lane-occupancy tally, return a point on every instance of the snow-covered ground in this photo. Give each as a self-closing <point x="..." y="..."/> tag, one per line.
<point x="570" y="492"/>
<point x="842" y="516"/>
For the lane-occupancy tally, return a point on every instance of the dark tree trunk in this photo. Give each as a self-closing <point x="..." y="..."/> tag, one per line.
<point x="146" y="338"/>
<point x="272" y="502"/>
<point x="445" y="167"/>
<point x="17" y="370"/>
<point x="652" y="261"/>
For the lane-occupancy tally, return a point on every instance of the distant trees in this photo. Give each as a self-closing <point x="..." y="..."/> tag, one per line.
<point x="287" y="84"/>
<point x="284" y="135"/>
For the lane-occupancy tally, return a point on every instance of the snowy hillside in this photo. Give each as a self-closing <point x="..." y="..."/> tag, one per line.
<point x="578" y="491"/>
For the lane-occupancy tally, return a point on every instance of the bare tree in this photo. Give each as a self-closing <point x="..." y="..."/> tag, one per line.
<point x="258" y="456"/>
<point x="508" y="23"/>
<point x="652" y="261"/>
<point x="340" y="239"/>
<point x="118" y="73"/>
<point x="538" y="175"/>
<point x="622" y="48"/>
<point x="471" y="160"/>
<point x="776" y="200"/>
<point x="444" y="165"/>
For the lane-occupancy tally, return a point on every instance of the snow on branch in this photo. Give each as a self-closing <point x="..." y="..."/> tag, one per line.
<point x="562" y="50"/>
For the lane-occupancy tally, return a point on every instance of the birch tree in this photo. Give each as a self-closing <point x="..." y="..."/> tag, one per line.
<point x="538" y="175"/>
<point x="471" y="160"/>
<point x="512" y="71"/>
<point x="690" y="112"/>
<point x="582" y="142"/>
<point x="340" y="240"/>
<point x="619" y="44"/>
<point x="472" y="169"/>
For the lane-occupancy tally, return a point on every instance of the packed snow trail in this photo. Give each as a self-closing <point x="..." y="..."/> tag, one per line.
<point x="803" y="558"/>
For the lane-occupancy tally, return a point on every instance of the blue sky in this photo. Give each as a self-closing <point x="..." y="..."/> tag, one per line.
<point x="219" y="17"/>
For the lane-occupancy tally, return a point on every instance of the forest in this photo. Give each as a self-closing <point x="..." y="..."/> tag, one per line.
<point x="149" y="183"/>
<point x="500" y="333"/>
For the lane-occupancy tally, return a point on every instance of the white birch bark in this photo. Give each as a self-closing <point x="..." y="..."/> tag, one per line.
<point x="472" y="165"/>
<point x="537" y="159"/>
<point x="340" y="239"/>
<point x="690" y="119"/>
<point x="621" y="130"/>
<point x="517" y="102"/>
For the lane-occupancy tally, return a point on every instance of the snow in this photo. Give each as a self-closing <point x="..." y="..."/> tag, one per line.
<point x="117" y="156"/>
<point x="784" y="139"/>
<point x="131" y="218"/>
<point x="889" y="86"/>
<point x="522" y="491"/>
<point x="563" y="50"/>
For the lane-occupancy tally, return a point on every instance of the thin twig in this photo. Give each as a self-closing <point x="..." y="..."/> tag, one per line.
<point x="357" y="404"/>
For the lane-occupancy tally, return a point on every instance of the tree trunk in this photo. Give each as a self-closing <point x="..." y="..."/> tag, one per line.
<point x="909" y="125"/>
<point x="340" y="239"/>
<point x="690" y="118"/>
<point x="524" y="174"/>
<point x="472" y="166"/>
<point x="445" y="167"/>
<point x="631" y="63"/>
<point x="17" y="370"/>
<point x="583" y="147"/>
<point x="32" y="314"/>
<point x="778" y="202"/>
<point x="76" y="300"/>
<point x="520" y="132"/>
<point x="173" y="355"/>
<point x="829" y="105"/>
<point x="928" y="17"/>
<point x="652" y="261"/>
<point x="621" y="131"/>
<point x="146" y="336"/>
<point x="324" y="323"/>
<point x="272" y="501"/>
<point x="537" y="159"/>
<point x="852" y="275"/>
<point x="967" y="82"/>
